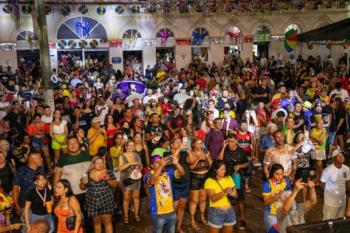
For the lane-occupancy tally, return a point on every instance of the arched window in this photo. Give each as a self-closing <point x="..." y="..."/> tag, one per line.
<point x="131" y="33"/>
<point x="293" y="26"/>
<point x="234" y="30"/>
<point x="262" y="34"/>
<point x="81" y="28"/>
<point x="170" y="33"/>
<point x="202" y="31"/>
<point x="24" y="35"/>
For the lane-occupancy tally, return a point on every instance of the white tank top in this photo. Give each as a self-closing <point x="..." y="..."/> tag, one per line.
<point x="59" y="129"/>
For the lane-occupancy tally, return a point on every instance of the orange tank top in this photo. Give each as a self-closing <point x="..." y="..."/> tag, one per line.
<point x="61" y="226"/>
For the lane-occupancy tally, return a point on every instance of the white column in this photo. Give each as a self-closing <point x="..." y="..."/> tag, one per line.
<point x="247" y="51"/>
<point x="183" y="56"/>
<point x="115" y="52"/>
<point x="216" y="53"/>
<point x="149" y="57"/>
<point x="8" y="58"/>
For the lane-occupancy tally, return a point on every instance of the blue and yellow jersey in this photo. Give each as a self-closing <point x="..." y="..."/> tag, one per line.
<point x="270" y="188"/>
<point x="161" y="195"/>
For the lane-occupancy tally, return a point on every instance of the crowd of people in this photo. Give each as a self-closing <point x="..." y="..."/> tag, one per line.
<point x="189" y="144"/>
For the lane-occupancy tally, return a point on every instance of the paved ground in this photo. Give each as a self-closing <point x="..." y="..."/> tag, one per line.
<point x="254" y="213"/>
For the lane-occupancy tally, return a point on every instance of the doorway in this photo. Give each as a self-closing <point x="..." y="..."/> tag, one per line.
<point x="165" y="55"/>
<point x="200" y="53"/>
<point x="133" y="59"/>
<point x="28" y="55"/>
<point x="261" y="49"/>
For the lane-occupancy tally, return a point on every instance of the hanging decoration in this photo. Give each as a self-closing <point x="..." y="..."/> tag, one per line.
<point x="7" y="46"/>
<point x="119" y="9"/>
<point x="198" y="38"/>
<point x="310" y="44"/>
<point x="61" y="44"/>
<point x="116" y="43"/>
<point x="151" y="8"/>
<point x="216" y="40"/>
<point x="234" y="36"/>
<point x="93" y="44"/>
<point x="291" y="39"/>
<point x="68" y="44"/>
<point x="82" y="44"/>
<point x="248" y="39"/>
<point x="183" y="8"/>
<point x="82" y="28"/>
<point x="26" y="9"/>
<point x="65" y="11"/>
<point x="135" y="9"/>
<point x="72" y="44"/>
<point x="101" y="10"/>
<point x="164" y="35"/>
<point x="346" y="43"/>
<point x="328" y="44"/>
<point x="83" y="9"/>
<point x="103" y="40"/>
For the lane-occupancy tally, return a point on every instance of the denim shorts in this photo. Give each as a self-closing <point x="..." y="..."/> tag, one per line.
<point x="219" y="217"/>
<point x="181" y="192"/>
<point x="39" y="143"/>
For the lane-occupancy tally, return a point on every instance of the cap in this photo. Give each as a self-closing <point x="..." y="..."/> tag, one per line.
<point x="337" y="152"/>
<point x="155" y="158"/>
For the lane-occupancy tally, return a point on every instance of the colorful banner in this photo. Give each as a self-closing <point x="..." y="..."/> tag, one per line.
<point x="183" y="42"/>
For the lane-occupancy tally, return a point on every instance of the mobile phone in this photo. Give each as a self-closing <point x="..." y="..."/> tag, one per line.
<point x="184" y="139"/>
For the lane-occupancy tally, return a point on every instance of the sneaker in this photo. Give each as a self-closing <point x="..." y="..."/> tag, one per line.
<point x="242" y="225"/>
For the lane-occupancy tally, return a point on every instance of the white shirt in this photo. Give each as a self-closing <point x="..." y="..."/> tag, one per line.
<point x="147" y="98"/>
<point x="343" y="94"/>
<point x="46" y="119"/>
<point x="104" y="112"/>
<point x="335" y="180"/>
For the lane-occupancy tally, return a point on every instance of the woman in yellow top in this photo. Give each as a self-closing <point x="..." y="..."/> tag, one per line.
<point x="219" y="187"/>
<point x="96" y="136"/>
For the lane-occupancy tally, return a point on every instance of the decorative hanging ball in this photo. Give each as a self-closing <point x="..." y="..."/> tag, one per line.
<point x="82" y="44"/>
<point x="119" y="10"/>
<point x="104" y="40"/>
<point x="310" y="44"/>
<point x="66" y="10"/>
<point x="72" y="44"/>
<point x="47" y="9"/>
<point x="60" y="44"/>
<point x="135" y="9"/>
<point x="83" y="9"/>
<point x="328" y="44"/>
<point x="68" y="44"/>
<point x="27" y="9"/>
<point x="101" y="10"/>
<point x="7" y="9"/>
<point x="94" y="44"/>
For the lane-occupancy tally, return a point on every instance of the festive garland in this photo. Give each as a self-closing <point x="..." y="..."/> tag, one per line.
<point x="27" y="9"/>
<point x="83" y="9"/>
<point x="119" y="10"/>
<point x="101" y="10"/>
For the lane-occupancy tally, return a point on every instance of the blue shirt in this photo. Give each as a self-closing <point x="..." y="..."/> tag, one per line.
<point x="25" y="180"/>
